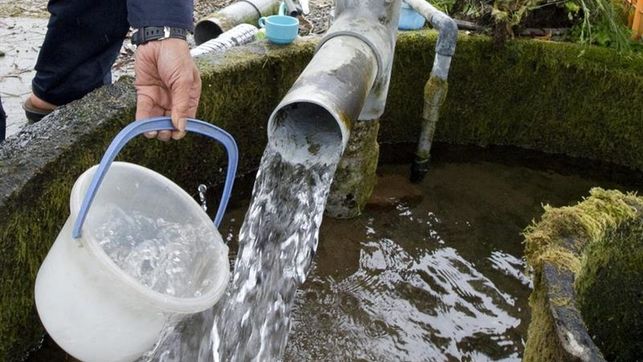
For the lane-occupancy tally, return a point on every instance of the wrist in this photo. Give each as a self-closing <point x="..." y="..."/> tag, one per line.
<point x="151" y="33"/>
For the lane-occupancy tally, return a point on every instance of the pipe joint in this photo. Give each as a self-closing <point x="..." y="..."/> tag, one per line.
<point x="346" y="80"/>
<point x="373" y="22"/>
<point x="376" y="36"/>
<point x="446" y="26"/>
<point x="448" y="34"/>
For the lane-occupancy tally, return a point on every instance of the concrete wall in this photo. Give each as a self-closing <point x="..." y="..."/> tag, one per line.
<point x="558" y="98"/>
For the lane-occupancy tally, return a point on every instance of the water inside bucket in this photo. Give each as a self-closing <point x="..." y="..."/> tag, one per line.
<point x="166" y="256"/>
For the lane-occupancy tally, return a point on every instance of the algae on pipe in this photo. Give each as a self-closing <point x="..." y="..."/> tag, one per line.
<point x="435" y="90"/>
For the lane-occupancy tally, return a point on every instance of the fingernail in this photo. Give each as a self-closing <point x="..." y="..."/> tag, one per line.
<point x="182" y="123"/>
<point x="165" y="135"/>
<point x="178" y="135"/>
<point x="151" y="134"/>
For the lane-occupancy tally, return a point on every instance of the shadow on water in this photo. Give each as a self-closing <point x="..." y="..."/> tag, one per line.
<point x="441" y="278"/>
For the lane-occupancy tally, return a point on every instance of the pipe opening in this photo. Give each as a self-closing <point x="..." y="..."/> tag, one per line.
<point x="206" y="30"/>
<point x="305" y="133"/>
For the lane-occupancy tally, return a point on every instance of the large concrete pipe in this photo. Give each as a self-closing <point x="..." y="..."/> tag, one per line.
<point x="347" y="80"/>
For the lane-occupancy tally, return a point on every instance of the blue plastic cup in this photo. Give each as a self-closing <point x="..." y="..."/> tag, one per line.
<point x="280" y="29"/>
<point x="409" y="18"/>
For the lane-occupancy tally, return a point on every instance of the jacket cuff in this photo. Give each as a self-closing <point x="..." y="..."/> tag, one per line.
<point x="172" y="13"/>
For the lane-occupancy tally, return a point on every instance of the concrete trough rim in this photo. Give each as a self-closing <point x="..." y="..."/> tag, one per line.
<point x="38" y="165"/>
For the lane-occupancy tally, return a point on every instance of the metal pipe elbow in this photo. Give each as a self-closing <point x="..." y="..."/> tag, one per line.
<point x="448" y="36"/>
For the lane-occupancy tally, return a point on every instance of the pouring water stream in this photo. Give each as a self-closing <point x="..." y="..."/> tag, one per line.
<point x="276" y="245"/>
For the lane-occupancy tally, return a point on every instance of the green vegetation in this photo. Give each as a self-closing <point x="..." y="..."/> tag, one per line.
<point x="599" y="22"/>
<point x="555" y="97"/>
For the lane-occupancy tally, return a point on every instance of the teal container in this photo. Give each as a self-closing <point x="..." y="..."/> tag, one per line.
<point x="280" y="29"/>
<point x="410" y="19"/>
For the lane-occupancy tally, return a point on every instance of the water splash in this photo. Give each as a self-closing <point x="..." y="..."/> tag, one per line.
<point x="276" y="245"/>
<point x="166" y="256"/>
<point x="202" y="189"/>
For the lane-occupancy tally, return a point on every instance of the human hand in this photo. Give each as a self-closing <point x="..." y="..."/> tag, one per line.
<point x="167" y="84"/>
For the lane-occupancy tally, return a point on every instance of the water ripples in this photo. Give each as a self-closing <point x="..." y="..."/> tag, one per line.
<point x="408" y="304"/>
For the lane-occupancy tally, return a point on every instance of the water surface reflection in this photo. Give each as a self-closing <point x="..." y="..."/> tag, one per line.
<point x="439" y="280"/>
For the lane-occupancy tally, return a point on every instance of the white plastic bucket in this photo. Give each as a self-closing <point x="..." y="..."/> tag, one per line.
<point x="92" y="308"/>
<point x="95" y="309"/>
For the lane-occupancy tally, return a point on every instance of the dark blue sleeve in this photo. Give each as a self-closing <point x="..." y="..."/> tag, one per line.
<point x="174" y="13"/>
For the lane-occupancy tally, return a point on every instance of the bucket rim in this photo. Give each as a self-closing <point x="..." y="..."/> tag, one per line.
<point x="165" y="302"/>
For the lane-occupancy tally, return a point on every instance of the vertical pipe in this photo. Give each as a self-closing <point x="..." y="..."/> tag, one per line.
<point x="435" y="90"/>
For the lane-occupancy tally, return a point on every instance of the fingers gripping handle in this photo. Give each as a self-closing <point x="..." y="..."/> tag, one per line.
<point x="160" y="124"/>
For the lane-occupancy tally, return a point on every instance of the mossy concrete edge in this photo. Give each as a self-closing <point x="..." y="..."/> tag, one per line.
<point x="241" y="88"/>
<point x="554" y="97"/>
<point x="555" y="249"/>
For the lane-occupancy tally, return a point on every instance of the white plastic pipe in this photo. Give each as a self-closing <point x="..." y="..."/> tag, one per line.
<point x="244" y="11"/>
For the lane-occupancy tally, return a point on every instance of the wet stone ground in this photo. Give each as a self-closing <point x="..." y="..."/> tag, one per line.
<point x="23" y="25"/>
<point x="21" y="39"/>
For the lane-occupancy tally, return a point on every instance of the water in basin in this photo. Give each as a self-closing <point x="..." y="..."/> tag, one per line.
<point x="435" y="278"/>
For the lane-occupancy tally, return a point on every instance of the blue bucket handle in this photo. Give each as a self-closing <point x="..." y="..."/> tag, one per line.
<point x="160" y="124"/>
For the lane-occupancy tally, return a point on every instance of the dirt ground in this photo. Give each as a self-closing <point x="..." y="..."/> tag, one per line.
<point x="23" y="25"/>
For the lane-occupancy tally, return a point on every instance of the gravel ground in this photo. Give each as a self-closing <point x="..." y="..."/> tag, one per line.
<point x="318" y="18"/>
<point x="23" y="9"/>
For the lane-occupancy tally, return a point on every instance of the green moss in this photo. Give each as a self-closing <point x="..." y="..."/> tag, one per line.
<point x="555" y="97"/>
<point x="580" y="239"/>
<point x="543" y="343"/>
<point x="609" y="291"/>
<point x="562" y="98"/>
<point x="588" y="220"/>
<point x="355" y="177"/>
